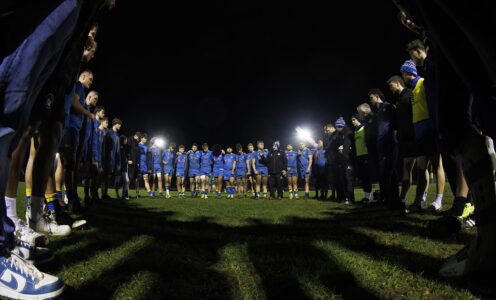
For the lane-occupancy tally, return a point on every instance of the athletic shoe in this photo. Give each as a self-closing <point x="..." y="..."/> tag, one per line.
<point x="436" y="206"/>
<point x="21" y="280"/>
<point x="78" y="223"/>
<point x="43" y="225"/>
<point x="296" y="195"/>
<point x="415" y="207"/>
<point x="346" y="201"/>
<point x="467" y="210"/>
<point x="468" y="223"/>
<point x="27" y="235"/>
<point x="34" y="255"/>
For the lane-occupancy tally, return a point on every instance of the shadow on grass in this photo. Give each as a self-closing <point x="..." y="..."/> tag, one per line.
<point x="183" y="257"/>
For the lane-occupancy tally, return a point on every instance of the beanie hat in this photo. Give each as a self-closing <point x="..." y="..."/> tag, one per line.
<point x="356" y="116"/>
<point x="340" y="122"/>
<point x="409" y="67"/>
<point x="277" y="144"/>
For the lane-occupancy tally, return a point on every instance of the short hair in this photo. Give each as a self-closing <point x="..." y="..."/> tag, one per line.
<point x="229" y="146"/>
<point x="104" y="119"/>
<point x="173" y="145"/>
<point x="99" y="109"/>
<point x="378" y="93"/>
<point x="396" y="79"/>
<point x="116" y="121"/>
<point x="330" y="125"/>
<point x="364" y="108"/>
<point x="194" y="145"/>
<point x="86" y="71"/>
<point x="93" y="92"/>
<point x="143" y="136"/>
<point x="204" y="145"/>
<point x="415" y="45"/>
<point x="260" y="142"/>
<point x="239" y="147"/>
<point x="138" y="133"/>
<point x="249" y="144"/>
<point x="181" y="147"/>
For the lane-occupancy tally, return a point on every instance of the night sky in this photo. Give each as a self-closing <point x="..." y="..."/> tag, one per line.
<point x="228" y="72"/>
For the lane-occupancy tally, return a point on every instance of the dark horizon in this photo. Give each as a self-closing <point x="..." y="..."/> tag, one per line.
<point x="218" y="72"/>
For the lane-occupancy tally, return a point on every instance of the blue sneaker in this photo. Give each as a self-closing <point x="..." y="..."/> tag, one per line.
<point x="21" y="280"/>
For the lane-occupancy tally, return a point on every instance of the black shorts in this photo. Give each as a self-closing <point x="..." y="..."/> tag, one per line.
<point x="48" y="107"/>
<point x="408" y="149"/>
<point x="426" y="145"/>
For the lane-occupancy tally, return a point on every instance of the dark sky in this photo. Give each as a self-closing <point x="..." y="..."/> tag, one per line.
<point x="238" y="71"/>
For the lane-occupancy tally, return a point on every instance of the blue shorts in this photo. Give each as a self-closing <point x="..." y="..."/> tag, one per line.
<point x="205" y="173"/>
<point x="263" y="171"/>
<point x="143" y="169"/>
<point x="180" y="173"/>
<point x="219" y="172"/>
<point x="193" y="172"/>
<point x="228" y="175"/>
<point x="293" y="172"/>
<point x="240" y="173"/>
<point x="157" y="169"/>
<point x="169" y="171"/>
<point x="303" y="174"/>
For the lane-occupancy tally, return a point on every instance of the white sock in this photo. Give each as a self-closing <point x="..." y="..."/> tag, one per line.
<point x="367" y="195"/>
<point x="36" y="208"/>
<point x="439" y="198"/>
<point x="10" y="204"/>
<point x="424" y="197"/>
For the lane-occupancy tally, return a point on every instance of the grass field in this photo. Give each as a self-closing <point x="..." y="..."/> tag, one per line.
<point x="253" y="249"/>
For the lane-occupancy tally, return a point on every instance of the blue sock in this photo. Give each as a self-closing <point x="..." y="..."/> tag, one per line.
<point x="51" y="205"/>
<point x="206" y="191"/>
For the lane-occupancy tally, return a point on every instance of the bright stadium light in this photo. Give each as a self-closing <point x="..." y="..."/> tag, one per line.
<point x="160" y="142"/>
<point x="304" y="135"/>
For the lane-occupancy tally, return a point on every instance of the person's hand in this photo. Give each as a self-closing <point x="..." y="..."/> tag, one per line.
<point x="283" y="172"/>
<point x="256" y="172"/>
<point x="299" y="152"/>
<point x="308" y="171"/>
<point x="92" y="116"/>
<point x="129" y="162"/>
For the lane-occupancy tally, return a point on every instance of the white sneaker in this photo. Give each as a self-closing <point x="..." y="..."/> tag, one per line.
<point x="27" y="235"/>
<point x="78" y="223"/>
<point x="51" y="228"/>
<point x="36" y="255"/>
<point x="436" y="206"/>
<point x="290" y="195"/>
<point x="21" y="280"/>
<point x="296" y="195"/>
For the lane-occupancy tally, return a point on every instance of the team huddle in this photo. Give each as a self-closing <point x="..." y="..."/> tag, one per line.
<point x="212" y="171"/>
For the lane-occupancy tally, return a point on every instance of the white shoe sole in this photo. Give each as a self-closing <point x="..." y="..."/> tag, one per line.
<point x="16" y="295"/>
<point x="78" y="223"/>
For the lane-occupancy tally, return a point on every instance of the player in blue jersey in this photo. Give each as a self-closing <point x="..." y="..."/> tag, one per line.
<point x="249" y="168"/>
<point x="229" y="171"/>
<point x="218" y="172"/>
<point x="155" y="157"/>
<point x="180" y="163"/>
<point x="305" y="157"/>
<point x="112" y="163"/>
<point x="260" y="170"/>
<point x="168" y="163"/>
<point x="194" y="170"/>
<point x="292" y="157"/>
<point x="97" y="157"/>
<point x="205" y="170"/>
<point x="143" y="163"/>
<point x="241" y="170"/>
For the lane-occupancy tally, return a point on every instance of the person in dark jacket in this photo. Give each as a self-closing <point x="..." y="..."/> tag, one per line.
<point x="277" y="165"/>
<point x="133" y="170"/>
<point x="125" y="157"/>
<point x="385" y="148"/>
<point x="329" y="136"/>
<point x="112" y="165"/>
<point x="341" y="161"/>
